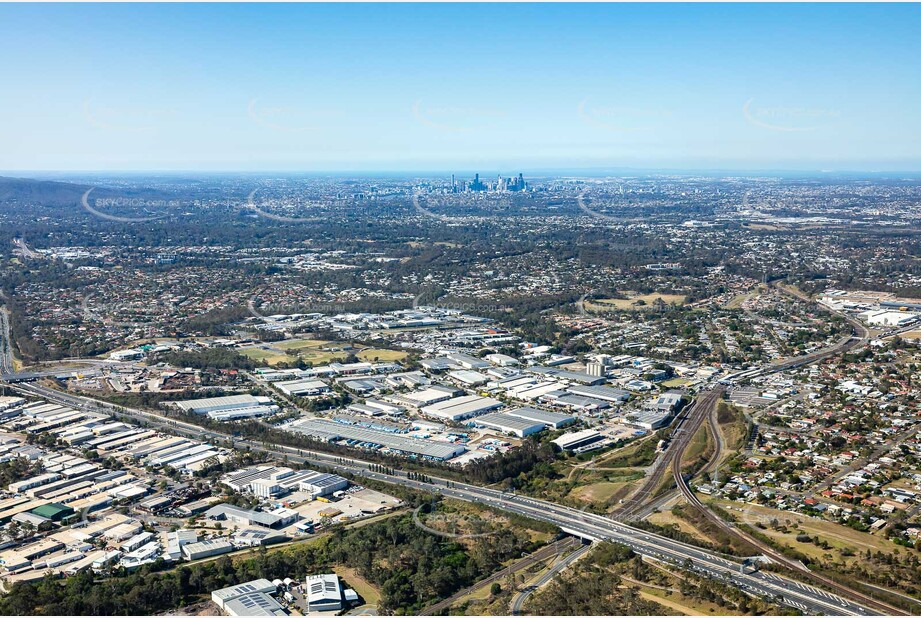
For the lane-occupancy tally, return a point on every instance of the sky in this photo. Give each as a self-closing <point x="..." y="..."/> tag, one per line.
<point x="438" y="87"/>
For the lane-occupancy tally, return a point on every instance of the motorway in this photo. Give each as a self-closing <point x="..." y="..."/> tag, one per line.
<point x="589" y="526"/>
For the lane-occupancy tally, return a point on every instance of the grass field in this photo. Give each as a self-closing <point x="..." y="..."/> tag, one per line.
<point x="382" y="356"/>
<point x="838" y="536"/>
<point x="666" y="518"/>
<point x="912" y="334"/>
<point x="629" y="303"/>
<point x="365" y="590"/>
<point x="312" y="351"/>
<point x="604" y="492"/>
<point x="738" y="299"/>
<point x="675" y="383"/>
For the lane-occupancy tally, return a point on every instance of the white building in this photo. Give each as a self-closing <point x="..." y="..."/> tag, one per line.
<point x="323" y="593"/>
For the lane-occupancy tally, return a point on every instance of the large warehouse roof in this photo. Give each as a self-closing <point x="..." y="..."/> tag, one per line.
<point x="323" y="429"/>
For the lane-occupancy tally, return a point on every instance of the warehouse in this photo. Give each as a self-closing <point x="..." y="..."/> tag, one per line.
<point x="271" y="480"/>
<point x="53" y="511"/>
<point x="360" y="437"/>
<point x="578" y="440"/>
<point x="278" y="518"/>
<point x="206" y="549"/>
<point x="222" y="596"/>
<point x="605" y="393"/>
<point x="323" y="593"/>
<point x="551" y="420"/>
<point x="509" y="424"/>
<point x="461" y="408"/>
<point x="578" y="377"/>
<point x="230" y="407"/>
<point x="649" y="419"/>
<point x="468" y="378"/>
<point x="303" y="388"/>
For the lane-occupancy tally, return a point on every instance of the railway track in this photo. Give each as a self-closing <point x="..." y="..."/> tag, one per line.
<point x="685" y="428"/>
<point x="766" y="549"/>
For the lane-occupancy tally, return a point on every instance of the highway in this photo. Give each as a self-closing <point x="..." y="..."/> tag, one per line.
<point x="589" y="526"/>
<point x="6" y="344"/>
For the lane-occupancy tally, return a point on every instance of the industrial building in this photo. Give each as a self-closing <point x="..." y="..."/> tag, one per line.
<point x="278" y="518"/>
<point x="360" y="437"/>
<point x="604" y="393"/>
<point x="506" y="423"/>
<point x="323" y="593"/>
<point x="579" y="440"/>
<point x="551" y="420"/>
<point x="303" y="388"/>
<point x="461" y="408"/>
<point x="206" y="549"/>
<point x="249" y="599"/>
<point x="230" y="407"/>
<point x="269" y="481"/>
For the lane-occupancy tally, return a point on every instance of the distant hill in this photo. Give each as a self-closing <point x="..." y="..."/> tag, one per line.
<point x="44" y="192"/>
<point x="66" y="195"/>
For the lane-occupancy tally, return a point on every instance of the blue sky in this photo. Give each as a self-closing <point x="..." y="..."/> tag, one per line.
<point x="348" y="87"/>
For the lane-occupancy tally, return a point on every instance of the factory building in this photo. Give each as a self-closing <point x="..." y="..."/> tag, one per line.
<point x="303" y="388"/>
<point x="461" y="408"/>
<point x="579" y="440"/>
<point x="506" y="423"/>
<point x="230" y="407"/>
<point x="360" y="437"/>
<point x="323" y="593"/>
<point x="206" y="549"/>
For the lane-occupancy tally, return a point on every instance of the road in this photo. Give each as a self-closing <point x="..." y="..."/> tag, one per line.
<point x="587" y="526"/>
<point x="548" y="551"/>
<point x="543" y="580"/>
<point x="768" y="551"/>
<point x="6" y="344"/>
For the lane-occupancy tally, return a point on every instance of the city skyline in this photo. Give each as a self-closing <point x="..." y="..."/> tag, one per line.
<point x="424" y="88"/>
